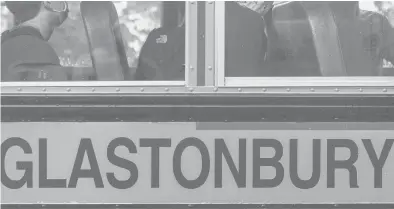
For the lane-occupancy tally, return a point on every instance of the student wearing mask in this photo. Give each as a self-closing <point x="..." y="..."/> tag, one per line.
<point x="26" y="54"/>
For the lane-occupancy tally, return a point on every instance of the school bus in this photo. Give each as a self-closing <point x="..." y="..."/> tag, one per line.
<point x="210" y="140"/>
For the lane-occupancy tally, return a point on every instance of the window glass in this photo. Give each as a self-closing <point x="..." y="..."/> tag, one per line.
<point x="105" y="41"/>
<point x="304" y="39"/>
<point x="70" y="41"/>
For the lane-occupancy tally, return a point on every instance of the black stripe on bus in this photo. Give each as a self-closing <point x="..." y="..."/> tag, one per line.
<point x="196" y="109"/>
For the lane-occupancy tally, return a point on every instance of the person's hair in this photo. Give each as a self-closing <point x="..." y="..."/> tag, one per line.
<point x="23" y="10"/>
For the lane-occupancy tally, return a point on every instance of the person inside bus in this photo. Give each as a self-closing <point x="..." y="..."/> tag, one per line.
<point x="26" y="54"/>
<point x="162" y="56"/>
<point x="366" y="39"/>
<point x="379" y="39"/>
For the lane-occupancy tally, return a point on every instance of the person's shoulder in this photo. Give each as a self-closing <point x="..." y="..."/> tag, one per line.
<point x="236" y="8"/>
<point x="244" y="15"/>
<point x="27" y="43"/>
<point x="160" y="32"/>
<point x="28" y="49"/>
<point x="289" y="10"/>
<point x="380" y="23"/>
<point x="373" y="17"/>
<point x="367" y="14"/>
<point x="162" y="35"/>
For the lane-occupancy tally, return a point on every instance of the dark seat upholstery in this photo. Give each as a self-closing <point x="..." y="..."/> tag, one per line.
<point x="105" y="40"/>
<point x="291" y="49"/>
<point x="306" y="40"/>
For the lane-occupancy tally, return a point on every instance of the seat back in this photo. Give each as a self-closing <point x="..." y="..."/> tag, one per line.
<point x="326" y="39"/>
<point x="105" y="40"/>
<point x="318" y="39"/>
<point x="303" y="41"/>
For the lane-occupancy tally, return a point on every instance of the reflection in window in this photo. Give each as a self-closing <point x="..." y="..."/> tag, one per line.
<point x="287" y="39"/>
<point x="106" y="41"/>
<point x="70" y="41"/>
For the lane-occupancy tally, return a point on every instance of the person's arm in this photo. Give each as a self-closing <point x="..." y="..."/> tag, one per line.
<point x="387" y="51"/>
<point x="81" y="73"/>
<point x="31" y="59"/>
<point x="48" y="72"/>
<point x="139" y="73"/>
<point x="147" y="67"/>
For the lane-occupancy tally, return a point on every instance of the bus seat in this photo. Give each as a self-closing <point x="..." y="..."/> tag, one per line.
<point x="105" y="40"/>
<point x="354" y="35"/>
<point x="297" y="46"/>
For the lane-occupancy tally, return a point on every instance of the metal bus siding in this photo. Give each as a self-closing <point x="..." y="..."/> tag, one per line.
<point x="103" y="112"/>
<point x="225" y="113"/>
<point x="208" y="104"/>
<point x="363" y="185"/>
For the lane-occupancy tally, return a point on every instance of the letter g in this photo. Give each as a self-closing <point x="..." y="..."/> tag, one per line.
<point x="26" y="166"/>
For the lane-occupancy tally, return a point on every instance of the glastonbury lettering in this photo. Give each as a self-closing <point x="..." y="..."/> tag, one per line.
<point x="219" y="156"/>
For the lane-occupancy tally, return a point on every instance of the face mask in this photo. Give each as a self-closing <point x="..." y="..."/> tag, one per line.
<point x="59" y="7"/>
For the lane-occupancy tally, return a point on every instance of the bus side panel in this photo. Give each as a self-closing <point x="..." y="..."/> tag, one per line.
<point x="278" y="163"/>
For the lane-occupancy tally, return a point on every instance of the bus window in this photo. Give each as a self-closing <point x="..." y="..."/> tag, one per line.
<point x="102" y="41"/>
<point x="306" y="39"/>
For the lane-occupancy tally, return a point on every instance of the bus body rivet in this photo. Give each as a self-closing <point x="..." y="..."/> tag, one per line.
<point x="191" y="67"/>
<point x="312" y="89"/>
<point x="288" y="89"/>
<point x="19" y="89"/>
<point x="215" y="89"/>
<point x="68" y="89"/>
<point x="210" y="68"/>
<point x="142" y="89"/>
<point x="44" y="89"/>
<point x="360" y="89"/>
<point x="264" y="89"/>
<point x="166" y="89"/>
<point x="117" y="89"/>
<point x="384" y="90"/>
<point x="93" y="89"/>
<point x="191" y="89"/>
<point x="336" y="89"/>
<point x="239" y="89"/>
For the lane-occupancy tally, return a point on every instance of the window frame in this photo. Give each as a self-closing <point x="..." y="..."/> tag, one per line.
<point x="222" y="81"/>
<point x="210" y="47"/>
<point x="215" y="81"/>
<point x="191" y="37"/>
